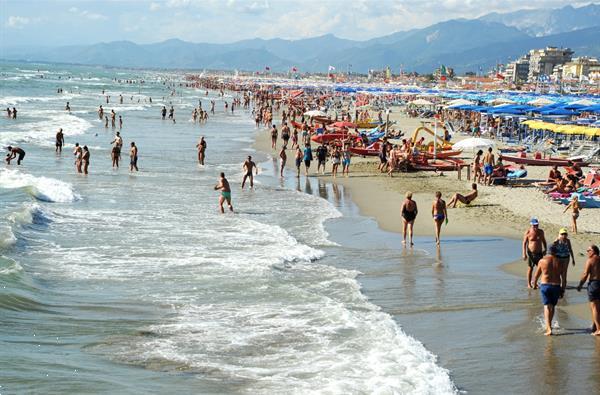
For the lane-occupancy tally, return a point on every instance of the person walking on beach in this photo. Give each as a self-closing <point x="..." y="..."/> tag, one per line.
<point x="346" y="161"/>
<point x="249" y="166"/>
<point x="85" y="159"/>
<point x="15" y="152"/>
<point x="409" y="214"/>
<point x="78" y="152"/>
<point x="299" y="155"/>
<point x="439" y="214"/>
<point x="591" y="273"/>
<point x="464" y="199"/>
<point x="133" y="157"/>
<point x="564" y="253"/>
<point x="576" y="207"/>
<point x="321" y="157"/>
<point x="488" y="166"/>
<point x="550" y="272"/>
<point x="283" y="159"/>
<point x="477" y="176"/>
<point x="274" y="135"/>
<point x="223" y="186"/>
<point x="201" y="150"/>
<point x="308" y="157"/>
<point x="163" y="112"/>
<point x="60" y="141"/>
<point x="534" y="247"/>
<point x="336" y="159"/>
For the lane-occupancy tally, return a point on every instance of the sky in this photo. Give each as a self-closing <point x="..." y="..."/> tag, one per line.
<point x="64" y="22"/>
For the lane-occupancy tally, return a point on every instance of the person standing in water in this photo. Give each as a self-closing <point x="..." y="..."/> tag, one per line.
<point x="409" y="214"/>
<point x="283" y="159"/>
<point x="591" y="273"/>
<point x="564" y="254"/>
<point x="85" y="159"/>
<point x="133" y="157"/>
<point x="439" y="214"/>
<point x="78" y="152"/>
<point x="225" y="189"/>
<point x="534" y="247"/>
<point x="249" y="166"/>
<point x="550" y="272"/>
<point x="299" y="155"/>
<point x="201" y="150"/>
<point x="60" y="141"/>
<point x="15" y="152"/>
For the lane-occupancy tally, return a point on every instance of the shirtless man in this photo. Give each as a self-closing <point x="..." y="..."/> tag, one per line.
<point x="78" y="152"/>
<point x="591" y="273"/>
<point x="249" y="167"/>
<point x="534" y="247"/>
<point x="464" y="199"/>
<point x="439" y="214"/>
<point x="274" y="134"/>
<point x="488" y="166"/>
<point x="118" y="143"/>
<point x="201" y="150"/>
<point x="60" y="141"/>
<point x="283" y="159"/>
<point x="133" y="157"/>
<point x="13" y="152"/>
<point x="409" y="214"/>
<point x="85" y="159"/>
<point x="550" y="271"/>
<point x="223" y="186"/>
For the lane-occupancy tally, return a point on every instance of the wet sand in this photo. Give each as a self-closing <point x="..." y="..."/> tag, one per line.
<point x="497" y="326"/>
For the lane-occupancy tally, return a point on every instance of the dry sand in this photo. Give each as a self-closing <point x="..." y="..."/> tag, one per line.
<point x="498" y="211"/>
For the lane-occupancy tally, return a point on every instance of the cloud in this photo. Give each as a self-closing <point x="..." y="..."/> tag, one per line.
<point x="154" y="7"/>
<point x="88" y="14"/>
<point x="17" y="22"/>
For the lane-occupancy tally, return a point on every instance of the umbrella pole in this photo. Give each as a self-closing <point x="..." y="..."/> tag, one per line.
<point x="434" y="139"/>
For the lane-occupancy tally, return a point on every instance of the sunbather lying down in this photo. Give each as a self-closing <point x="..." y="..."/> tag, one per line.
<point x="464" y="199"/>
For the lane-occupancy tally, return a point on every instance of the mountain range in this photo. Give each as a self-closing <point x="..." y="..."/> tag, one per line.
<point x="465" y="45"/>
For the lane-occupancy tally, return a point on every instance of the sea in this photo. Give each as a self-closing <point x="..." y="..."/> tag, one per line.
<point x="134" y="283"/>
<point x="120" y="282"/>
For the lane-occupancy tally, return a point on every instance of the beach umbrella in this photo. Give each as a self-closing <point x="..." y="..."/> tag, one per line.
<point x="315" y="113"/>
<point x="582" y="102"/>
<point x="501" y="100"/>
<point x="473" y="144"/>
<point x="421" y="102"/>
<point x="540" y="101"/>
<point x="458" y="102"/>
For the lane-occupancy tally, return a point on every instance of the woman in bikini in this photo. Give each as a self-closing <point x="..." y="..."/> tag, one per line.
<point x="477" y="167"/>
<point x="464" y="199"/>
<point x="576" y="207"/>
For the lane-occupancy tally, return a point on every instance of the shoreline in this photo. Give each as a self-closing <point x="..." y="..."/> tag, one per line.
<point x="379" y="197"/>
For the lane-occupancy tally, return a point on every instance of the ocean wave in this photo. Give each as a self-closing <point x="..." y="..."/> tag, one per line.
<point x="42" y="188"/>
<point x="44" y="132"/>
<point x="7" y="237"/>
<point x="14" y="100"/>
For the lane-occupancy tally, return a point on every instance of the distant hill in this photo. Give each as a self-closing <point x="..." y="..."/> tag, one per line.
<point x="465" y="45"/>
<point x="543" y="22"/>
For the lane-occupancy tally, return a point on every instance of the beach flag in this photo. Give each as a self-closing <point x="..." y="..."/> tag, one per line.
<point x="294" y="69"/>
<point x="331" y="68"/>
<point x="500" y="76"/>
<point x="443" y="71"/>
<point x="267" y="68"/>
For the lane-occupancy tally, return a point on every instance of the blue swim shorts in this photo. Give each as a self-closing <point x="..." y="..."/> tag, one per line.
<point x="550" y="294"/>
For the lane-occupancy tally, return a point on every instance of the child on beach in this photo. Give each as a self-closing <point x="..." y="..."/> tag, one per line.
<point x="574" y="205"/>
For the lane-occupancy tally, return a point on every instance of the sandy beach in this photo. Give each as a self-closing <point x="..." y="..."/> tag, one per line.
<point x="498" y="210"/>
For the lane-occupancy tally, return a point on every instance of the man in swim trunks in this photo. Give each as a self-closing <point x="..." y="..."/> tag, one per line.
<point x="249" y="166"/>
<point x="409" y="214"/>
<point x="591" y="273"/>
<point x="534" y="247"/>
<point x="488" y="166"/>
<point x="321" y="157"/>
<point x="85" y="159"/>
<point x="439" y="213"/>
<point x="60" y="141"/>
<point x="133" y="157"/>
<point x="283" y="159"/>
<point x="550" y="272"/>
<point x="464" y="199"/>
<point x="15" y="152"/>
<point x="225" y="189"/>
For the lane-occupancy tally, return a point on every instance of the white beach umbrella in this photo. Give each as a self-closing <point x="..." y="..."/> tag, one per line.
<point x="540" y="101"/>
<point x="459" y="102"/>
<point x="315" y="113"/>
<point x="420" y="102"/>
<point x="583" y="102"/>
<point x="473" y="144"/>
<point x="501" y="100"/>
